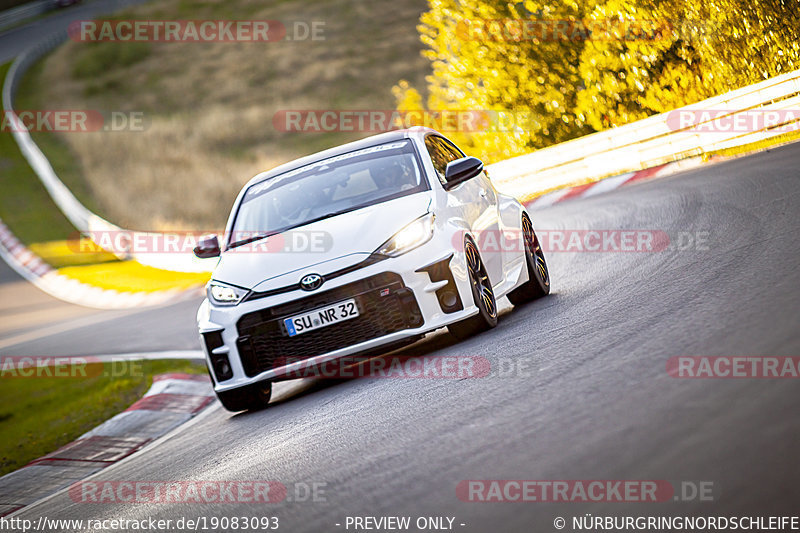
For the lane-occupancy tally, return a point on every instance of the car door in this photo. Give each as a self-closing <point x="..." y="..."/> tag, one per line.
<point x="476" y="199"/>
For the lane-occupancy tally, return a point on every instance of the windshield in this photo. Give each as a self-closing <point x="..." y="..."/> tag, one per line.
<point x="328" y="187"/>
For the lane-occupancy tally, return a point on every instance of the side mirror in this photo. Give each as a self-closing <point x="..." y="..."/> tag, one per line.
<point x="207" y="246"/>
<point x="461" y="170"/>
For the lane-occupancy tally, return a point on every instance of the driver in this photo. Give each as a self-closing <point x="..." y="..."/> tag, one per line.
<point x="292" y="205"/>
<point x="393" y="176"/>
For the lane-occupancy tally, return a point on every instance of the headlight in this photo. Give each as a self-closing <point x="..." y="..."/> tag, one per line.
<point x="412" y="236"/>
<point x="224" y="294"/>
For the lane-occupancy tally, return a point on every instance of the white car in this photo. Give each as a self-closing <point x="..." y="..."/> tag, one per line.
<point x="360" y="249"/>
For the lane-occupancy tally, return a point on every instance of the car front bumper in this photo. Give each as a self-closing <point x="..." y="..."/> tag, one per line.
<point x="250" y="336"/>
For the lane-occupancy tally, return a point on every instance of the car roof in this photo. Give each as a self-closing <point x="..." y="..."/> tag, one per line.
<point x="373" y="140"/>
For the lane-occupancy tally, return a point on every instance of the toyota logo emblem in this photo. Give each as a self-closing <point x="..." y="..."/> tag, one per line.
<point x="311" y="282"/>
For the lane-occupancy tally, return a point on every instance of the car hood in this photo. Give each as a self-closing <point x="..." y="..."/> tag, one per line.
<point x="321" y="247"/>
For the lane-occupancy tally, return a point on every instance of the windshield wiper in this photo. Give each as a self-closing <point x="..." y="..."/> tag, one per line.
<point x="304" y="223"/>
<point x="252" y="239"/>
<point x="331" y="215"/>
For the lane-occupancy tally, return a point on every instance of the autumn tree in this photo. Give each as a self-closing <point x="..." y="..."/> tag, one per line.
<point x="702" y="49"/>
<point x="482" y="61"/>
<point x="618" y="61"/>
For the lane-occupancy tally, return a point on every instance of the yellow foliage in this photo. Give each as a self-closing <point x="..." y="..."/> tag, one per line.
<point x="408" y="98"/>
<point x="654" y="56"/>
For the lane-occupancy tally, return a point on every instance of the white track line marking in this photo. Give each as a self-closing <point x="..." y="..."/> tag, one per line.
<point x="194" y="355"/>
<point x="55" y="329"/>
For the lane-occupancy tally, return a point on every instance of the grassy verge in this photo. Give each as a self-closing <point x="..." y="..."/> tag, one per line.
<point x="208" y="107"/>
<point x="754" y="146"/>
<point x="25" y="205"/>
<point x="30" y="213"/>
<point x="63" y="160"/>
<point x="39" y="415"/>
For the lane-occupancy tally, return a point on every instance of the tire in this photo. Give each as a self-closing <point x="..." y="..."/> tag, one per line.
<point x="482" y="295"/>
<point x="251" y="397"/>
<point x="538" y="283"/>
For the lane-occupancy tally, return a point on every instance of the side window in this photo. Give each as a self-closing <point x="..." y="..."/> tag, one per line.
<point x="450" y="147"/>
<point x="441" y="153"/>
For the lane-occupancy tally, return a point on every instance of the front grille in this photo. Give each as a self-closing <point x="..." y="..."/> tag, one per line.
<point x="385" y="306"/>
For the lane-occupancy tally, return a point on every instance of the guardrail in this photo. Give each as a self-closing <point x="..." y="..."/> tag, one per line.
<point x="18" y="14"/>
<point x="652" y="141"/>
<point x="647" y="143"/>
<point x="79" y="215"/>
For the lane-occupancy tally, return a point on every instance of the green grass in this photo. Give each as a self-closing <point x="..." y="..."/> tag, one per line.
<point x="62" y="159"/>
<point x="25" y="205"/>
<point x="29" y="212"/>
<point x="39" y="415"/>
<point x="209" y="106"/>
<point x="102" y="57"/>
<point x="213" y="9"/>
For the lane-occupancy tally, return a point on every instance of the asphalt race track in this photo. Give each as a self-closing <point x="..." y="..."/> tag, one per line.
<point x="593" y="399"/>
<point x="14" y="41"/>
<point x="35" y="324"/>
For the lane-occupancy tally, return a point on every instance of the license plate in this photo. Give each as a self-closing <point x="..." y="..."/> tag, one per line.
<point x="319" y="318"/>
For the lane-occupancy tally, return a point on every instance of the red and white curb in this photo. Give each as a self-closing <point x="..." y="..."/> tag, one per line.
<point x="172" y="400"/>
<point x="608" y="184"/>
<point x="43" y="276"/>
